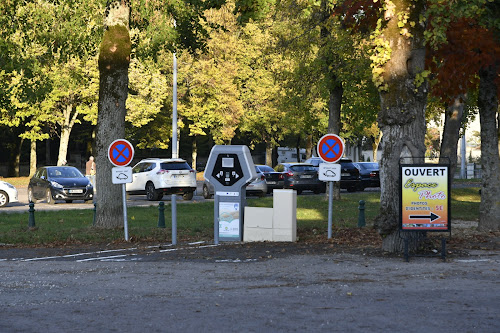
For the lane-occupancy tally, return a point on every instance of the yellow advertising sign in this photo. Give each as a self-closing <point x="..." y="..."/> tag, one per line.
<point x="425" y="200"/>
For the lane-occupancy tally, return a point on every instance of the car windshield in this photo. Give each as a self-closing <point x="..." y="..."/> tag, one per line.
<point x="175" y="166"/>
<point x="265" y="168"/>
<point x="370" y="166"/>
<point x="64" y="172"/>
<point x="302" y="168"/>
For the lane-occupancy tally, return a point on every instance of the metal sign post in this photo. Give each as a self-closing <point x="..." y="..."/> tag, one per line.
<point x="120" y="154"/>
<point x="330" y="150"/>
<point x="331" y="173"/>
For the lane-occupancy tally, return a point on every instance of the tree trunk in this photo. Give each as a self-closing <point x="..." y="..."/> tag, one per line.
<point x="32" y="158"/>
<point x="194" y="153"/>
<point x="269" y="153"/>
<point x="15" y="159"/>
<point x="309" y="146"/>
<point x="334" y="125"/>
<point x="375" y="144"/>
<point x="451" y="134"/>
<point x="114" y="59"/>
<point x="47" y="152"/>
<point x="70" y="115"/>
<point x="402" y="115"/>
<point x="489" y="208"/>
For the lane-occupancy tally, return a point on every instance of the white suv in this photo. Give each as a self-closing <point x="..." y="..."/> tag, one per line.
<point x="158" y="176"/>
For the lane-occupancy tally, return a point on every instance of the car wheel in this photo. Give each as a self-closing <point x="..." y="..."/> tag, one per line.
<point x="31" y="198"/>
<point x="151" y="193"/>
<point x="261" y="194"/>
<point x="4" y="198"/>
<point x="351" y="189"/>
<point x="299" y="192"/>
<point x="49" y="198"/>
<point x="188" y="196"/>
<point x="206" y="192"/>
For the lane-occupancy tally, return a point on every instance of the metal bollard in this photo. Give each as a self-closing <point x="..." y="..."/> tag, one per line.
<point x="31" y="220"/>
<point x="361" y="216"/>
<point x="161" y="215"/>
<point x="95" y="213"/>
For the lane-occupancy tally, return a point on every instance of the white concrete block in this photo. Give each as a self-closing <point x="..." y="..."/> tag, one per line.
<point x="257" y="235"/>
<point x="285" y="209"/>
<point x="258" y="217"/>
<point x="284" y="235"/>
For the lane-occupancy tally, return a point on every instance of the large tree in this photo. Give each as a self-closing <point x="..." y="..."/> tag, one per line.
<point x="114" y="59"/>
<point x="466" y="49"/>
<point x="398" y="64"/>
<point x="399" y="61"/>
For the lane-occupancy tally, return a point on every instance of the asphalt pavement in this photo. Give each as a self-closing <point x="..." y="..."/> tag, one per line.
<point x="338" y="292"/>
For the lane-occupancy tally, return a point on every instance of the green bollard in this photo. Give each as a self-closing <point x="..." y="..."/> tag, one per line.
<point x="95" y="213"/>
<point x="361" y="217"/>
<point x="31" y="221"/>
<point x="161" y="215"/>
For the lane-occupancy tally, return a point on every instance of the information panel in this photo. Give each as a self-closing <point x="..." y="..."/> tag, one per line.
<point x="229" y="219"/>
<point x="425" y="197"/>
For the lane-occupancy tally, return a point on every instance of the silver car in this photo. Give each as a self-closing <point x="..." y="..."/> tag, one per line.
<point x="257" y="187"/>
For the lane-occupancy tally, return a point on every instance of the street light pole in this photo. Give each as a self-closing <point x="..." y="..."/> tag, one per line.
<point x="174" y="144"/>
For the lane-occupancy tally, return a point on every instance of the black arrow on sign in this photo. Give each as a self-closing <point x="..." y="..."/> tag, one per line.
<point x="432" y="217"/>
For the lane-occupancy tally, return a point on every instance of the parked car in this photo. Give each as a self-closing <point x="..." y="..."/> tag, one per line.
<point x="301" y="177"/>
<point x="369" y="173"/>
<point x="59" y="183"/>
<point x="349" y="178"/>
<point x="274" y="179"/>
<point x="257" y="187"/>
<point x="315" y="161"/>
<point x="8" y="193"/>
<point x="156" y="177"/>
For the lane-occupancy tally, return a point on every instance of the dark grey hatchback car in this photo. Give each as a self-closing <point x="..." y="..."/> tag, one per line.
<point x="59" y="183"/>
<point x="301" y="177"/>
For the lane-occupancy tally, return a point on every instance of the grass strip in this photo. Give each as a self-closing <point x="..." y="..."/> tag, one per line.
<point x="195" y="221"/>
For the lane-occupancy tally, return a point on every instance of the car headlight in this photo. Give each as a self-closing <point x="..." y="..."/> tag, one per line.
<point x="89" y="185"/>
<point x="9" y="185"/>
<point x="56" y="184"/>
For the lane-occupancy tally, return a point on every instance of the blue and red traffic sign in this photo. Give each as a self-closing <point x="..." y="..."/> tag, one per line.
<point x="120" y="152"/>
<point x="330" y="148"/>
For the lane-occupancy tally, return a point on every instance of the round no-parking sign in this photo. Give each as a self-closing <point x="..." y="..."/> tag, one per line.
<point x="330" y="148"/>
<point x="120" y="152"/>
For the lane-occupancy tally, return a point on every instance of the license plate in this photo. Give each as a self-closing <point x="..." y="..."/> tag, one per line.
<point x="177" y="176"/>
<point x="344" y="174"/>
<point x="75" y="191"/>
<point x="271" y="183"/>
<point x="306" y="176"/>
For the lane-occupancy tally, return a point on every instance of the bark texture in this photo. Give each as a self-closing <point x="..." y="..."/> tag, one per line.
<point x="451" y="134"/>
<point x="402" y="115"/>
<point x="489" y="208"/>
<point x="114" y="58"/>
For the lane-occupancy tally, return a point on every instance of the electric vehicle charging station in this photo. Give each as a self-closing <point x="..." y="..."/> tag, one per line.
<point x="229" y="169"/>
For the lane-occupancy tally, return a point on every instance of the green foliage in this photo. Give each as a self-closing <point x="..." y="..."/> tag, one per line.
<point x="252" y="9"/>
